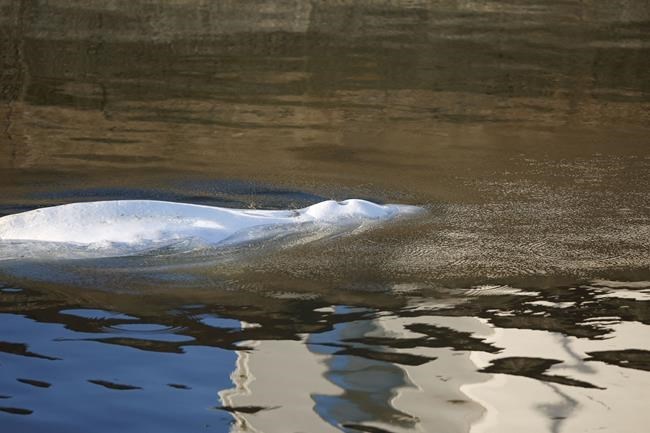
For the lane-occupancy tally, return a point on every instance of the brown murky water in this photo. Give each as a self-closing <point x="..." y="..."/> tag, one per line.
<point x="519" y="302"/>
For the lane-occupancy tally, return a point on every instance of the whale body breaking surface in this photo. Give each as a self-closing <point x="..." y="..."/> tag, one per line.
<point x="109" y="228"/>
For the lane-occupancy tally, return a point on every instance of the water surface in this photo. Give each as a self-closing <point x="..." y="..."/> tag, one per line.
<point x="518" y="303"/>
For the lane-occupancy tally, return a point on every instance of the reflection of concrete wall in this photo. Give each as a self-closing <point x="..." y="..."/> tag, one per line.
<point x="304" y="387"/>
<point x="12" y="50"/>
<point x="616" y="403"/>
<point x="435" y="398"/>
<point x="301" y="76"/>
<point x="367" y="386"/>
<point x="14" y="80"/>
<point x="480" y="48"/>
<point x="279" y="376"/>
<point x="307" y="389"/>
<point x="165" y="20"/>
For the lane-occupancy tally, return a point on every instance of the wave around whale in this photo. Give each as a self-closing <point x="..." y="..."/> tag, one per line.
<point x="132" y="227"/>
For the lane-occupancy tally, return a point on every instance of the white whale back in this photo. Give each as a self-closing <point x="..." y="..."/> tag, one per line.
<point x="134" y="222"/>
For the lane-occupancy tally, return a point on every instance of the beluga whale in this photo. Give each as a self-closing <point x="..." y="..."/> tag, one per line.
<point x="131" y="227"/>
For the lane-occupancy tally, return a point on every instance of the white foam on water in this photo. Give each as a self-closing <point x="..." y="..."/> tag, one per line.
<point x="126" y="227"/>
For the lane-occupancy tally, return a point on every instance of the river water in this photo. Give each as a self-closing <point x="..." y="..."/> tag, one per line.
<point x="519" y="301"/>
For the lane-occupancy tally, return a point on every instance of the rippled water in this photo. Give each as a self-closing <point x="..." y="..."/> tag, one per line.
<point x="518" y="302"/>
<point x="486" y="358"/>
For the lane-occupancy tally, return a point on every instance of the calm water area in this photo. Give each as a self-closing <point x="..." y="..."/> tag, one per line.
<point x="518" y="302"/>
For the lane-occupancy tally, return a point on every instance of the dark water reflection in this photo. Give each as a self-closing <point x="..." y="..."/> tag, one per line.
<point x="518" y="303"/>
